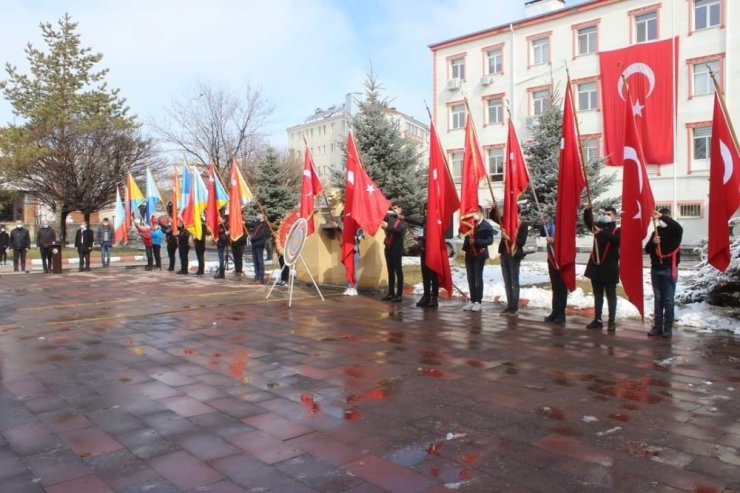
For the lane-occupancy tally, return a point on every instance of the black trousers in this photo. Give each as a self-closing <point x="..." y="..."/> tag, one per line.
<point x="157" y="251"/>
<point x="19" y="254"/>
<point x="149" y="257"/>
<point x="474" y="268"/>
<point x="237" y="252"/>
<point x="393" y="258"/>
<point x="183" y="250"/>
<point x="171" y="251"/>
<point x="559" y="294"/>
<point x="84" y="259"/>
<point x="284" y="269"/>
<point x="429" y="278"/>
<point x="200" y="254"/>
<point x="3" y="255"/>
<point x="611" y="298"/>
<point x="46" y="257"/>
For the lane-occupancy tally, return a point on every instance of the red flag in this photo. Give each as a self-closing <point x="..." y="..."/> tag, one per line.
<point x="570" y="186"/>
<point x="175" y="201"/>
<point x="442" y="202"/>
<point x="648" y="68"/>
<point x="349" y="226"/>
<point x="473" y="171"/>
<point x="516" y="181"/>
<point x="310" y="187"/>
<point x="236" y="223"/>
<point x="637" y="209"/>
<point x="212" y="216"/>
<point x="724" y="187"/>
<point x="369" y="205"/>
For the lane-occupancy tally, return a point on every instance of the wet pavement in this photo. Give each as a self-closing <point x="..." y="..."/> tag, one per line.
<point x="130" y="381"/>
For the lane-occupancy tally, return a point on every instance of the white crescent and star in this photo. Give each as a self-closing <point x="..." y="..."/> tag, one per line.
<point x="727" y="160"/>
<point x="637" y="68"/>
<point x="630" y="154"/>
<point x="370" y="188"/>
<point x="351" y="177"/>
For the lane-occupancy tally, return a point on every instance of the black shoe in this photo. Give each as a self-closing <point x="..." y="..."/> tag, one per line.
<point x="667" y="333"/>
<point x="387" y="297"/>
<point x="655" y="332"/>
<point x="182" y="272"/>
<point x="611" y="326"/>
<point x="550" y="318"/>
<point x="433" y="303"/>
<point x="219" y="276"/>
<point x="512" y="313"/>
<point x="558" y="321"/>
<point x="397" y="299"/>
<point x="423" y="301"/>
<point x="199" y="274"/>
<point x="171" y="270"/>
<point x="504" y="312"/>
<point x="595" y="324"/>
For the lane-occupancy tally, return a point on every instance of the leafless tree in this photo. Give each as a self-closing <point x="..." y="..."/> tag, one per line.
<point x="216" y="125"/>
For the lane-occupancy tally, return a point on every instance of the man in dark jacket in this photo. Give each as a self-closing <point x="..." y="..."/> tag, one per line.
<point x="171" y="240"/>
<point x="664" y="248"/>
<point x="559" y="289"/>
<point x="237" y="254"/>
<point x="183" y="247"/>
<point x="429" y="278"/>
<point x="603" y="264"/>
<point x="475" y="247"/>
<point x="511" y="251"/>
<point x="84" y="240"/>
<point x="45" y="238"/>
<point x="258" y="238"/>
<point x="199" y="244"/>
<point x="20" y="242"/>
<point x="4" y="242"/>
<point x="395" y="230"/>
<point x="222" y="243"/>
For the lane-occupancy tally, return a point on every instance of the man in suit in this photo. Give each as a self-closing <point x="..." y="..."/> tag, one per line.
<point x="84" y="240"/>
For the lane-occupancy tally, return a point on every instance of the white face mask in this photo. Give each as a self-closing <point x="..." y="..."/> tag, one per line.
<point x="83" y="226"/>
<point x="19" y="226"/>
<point x="44" y="226"/>
<point x="661" y="224"/>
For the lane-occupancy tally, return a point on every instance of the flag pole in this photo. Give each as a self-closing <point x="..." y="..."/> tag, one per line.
<point x="722" y="104"/>
<point x="488" y="178"/>
<point x="323" y="193"/>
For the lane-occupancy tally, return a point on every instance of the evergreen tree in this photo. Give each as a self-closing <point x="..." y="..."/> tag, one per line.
<point x="271" y="189"/>
<point x="542" y="154"/>
<point x="392" y="162"/>
<point x="76" y="140"/>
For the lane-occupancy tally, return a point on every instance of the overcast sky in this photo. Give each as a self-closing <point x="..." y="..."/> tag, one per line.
<point x="303" y="54"/>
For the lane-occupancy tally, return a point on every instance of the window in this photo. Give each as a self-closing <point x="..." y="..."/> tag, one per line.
<point x="540" y="51"/>
<point x="496" y="163"/>
<point x="587" y="40"/>
<point x="495" y="111"/>
<point x="539" y="101"/>
<point x="495" y="61"/>
<point x="587" y="96"/>
<point x="457" y="68"/>
<point x="706" y="14"/>
<point x="702" y="79"/>
<point x="590" y="150"/>
<point x="664" y="205"/>
<point x="646" y="26"/>
<point x="702" y="142"/>
<point x="457" y="112"/>
<point x="689" y="210"/>
<point x="456" y="158"/>
<point x="333" y="147"/>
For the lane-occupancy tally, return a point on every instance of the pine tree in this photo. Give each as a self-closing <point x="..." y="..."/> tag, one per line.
<point x="271" y="189"/>
<point x="542" y="154"/>
<point x="392" y="162"/>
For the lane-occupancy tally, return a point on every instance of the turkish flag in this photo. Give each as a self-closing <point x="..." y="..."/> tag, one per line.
<point x="648" y="69"/>
<point x="212" y="216"/>
<point x="442" y="202"/>
<point x="310" y="187"/>
<point x="724" y="187"/>
<point x="637" y="209"/>
<point x="369" y="205"/>
<point x="349" y="226"/>
<point x="236" y="222"/>
<point x="516" y="181"/>
<point x="570" y="186"/>
<point x="473" y="171"/>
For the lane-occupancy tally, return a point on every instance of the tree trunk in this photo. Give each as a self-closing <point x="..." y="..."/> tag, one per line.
<point x="59" y="218"/>
<point x="87" y="218"/>
<point x="63" y="227"/>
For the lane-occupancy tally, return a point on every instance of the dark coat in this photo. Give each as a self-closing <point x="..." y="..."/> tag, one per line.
<point x="100" y="234"/>
<point x="223" y="236"/>
<point x="260" y="234"/>
<point x="607" y="270"/>
<point x="520" y="238"/>
<point x="670" y="243"/>
<point x="476" y="245"/>
<point x="183" y="238"/>
<point x="4" y="240"/>
<point x="20" y="239"/>
<point x="394" y="232"/>
<point x="45" y="237"/>
<point x="84" y="240"/>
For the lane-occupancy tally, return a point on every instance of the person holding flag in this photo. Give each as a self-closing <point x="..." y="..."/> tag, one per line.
<point x="395" y="230"/>
<point x="664" y="249"/>
<point x="603" y="264"/>
<point x="475" y="247"/>
<point x="559" y="289"/>
<point x="511" y="252"/>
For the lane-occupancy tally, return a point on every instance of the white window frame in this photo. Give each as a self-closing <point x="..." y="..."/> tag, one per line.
<point x="690" y="205"/>
<point x="701" y="148"/>
<point x="708" y="8"/>
<point x="643" y="24"/>
<point x="590" y="148"/>
<point x="590" y="35"/>
<point x="497" y="105"/>
<point x="495" y="160"/>
<point x="539" y="101"/>
<point x="457" y="116"/>
<point x="541" y="51"/>
<point x="701" y="80"/>
<point x="588" y="93"/>
<point x="457" y="68"/>
<point x="496" y="56"/>
<point x="456" y="161"/>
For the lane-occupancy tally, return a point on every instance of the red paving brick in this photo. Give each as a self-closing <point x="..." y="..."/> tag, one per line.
<point x="231" y="393"/>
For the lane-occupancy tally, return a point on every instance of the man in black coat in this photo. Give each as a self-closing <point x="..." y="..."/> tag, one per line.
<point x="222" y="243"/>
<point x="200" y="251"/>
<point x="664" y="249"/>
<point x="475" y="247"/>
<point x="171" y="239"/>
<point x="183" y="247"/>
<point x="395" y="230"/>
<point x="603" y="264"/>
<point x="20" y="242"/>
<point x="429" y="278"/>
<point x="511" y="252"/>
<point x="237" y="253"/>
<point x="45" y="238"/>
<point x="84" y="240"/>
<point x="4" y="242"/>
<point x="258" y="238"/>
<point x="559" y="289"/>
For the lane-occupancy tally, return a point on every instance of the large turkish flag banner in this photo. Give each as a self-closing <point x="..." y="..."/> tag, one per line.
<point x="647" y="69"/>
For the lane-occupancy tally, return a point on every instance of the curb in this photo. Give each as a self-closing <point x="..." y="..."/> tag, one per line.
<point x="76" y="261"/>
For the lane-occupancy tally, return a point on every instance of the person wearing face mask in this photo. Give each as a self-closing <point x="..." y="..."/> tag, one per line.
<point x="664" y="249"/>
<point x="104" y="238"/>
<point x="475" y="247"/>
<point x="395" y="229"/>
<point x="45" y="238"/>
<point x="511" y="252"/>
<point x="20" y="242"/>
<point x="258" y="238"/>
<point x="84" y="240"/>
<point x="603" y="264"/>
<point x="4" y="242"/>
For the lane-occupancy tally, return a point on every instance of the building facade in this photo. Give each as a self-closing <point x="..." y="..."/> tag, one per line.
<point x="515" y="65"/>
<point x="325" y="132"/>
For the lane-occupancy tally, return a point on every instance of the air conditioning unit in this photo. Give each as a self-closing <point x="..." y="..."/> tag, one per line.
<point x="532" y="121"/>
<point x="454" y="84"/>
<point x="486" y="80"/>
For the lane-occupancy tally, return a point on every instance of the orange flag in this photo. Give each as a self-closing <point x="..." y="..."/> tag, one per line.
<point x="236" y="223"/>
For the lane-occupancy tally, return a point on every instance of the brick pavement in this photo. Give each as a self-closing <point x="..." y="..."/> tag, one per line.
<point x="132" y="381"/>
